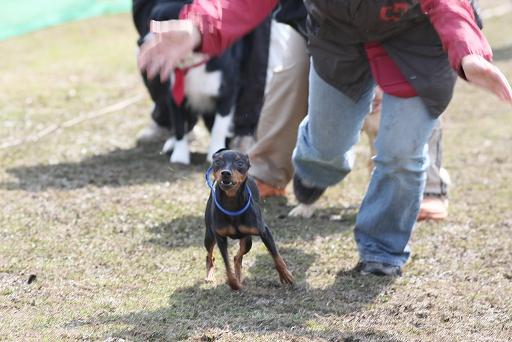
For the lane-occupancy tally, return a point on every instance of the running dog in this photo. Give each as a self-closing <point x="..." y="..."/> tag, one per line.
<point x="233" y="211"/>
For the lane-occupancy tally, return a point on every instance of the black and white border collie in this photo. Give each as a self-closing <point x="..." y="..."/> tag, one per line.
<point x="210" y="88"/>
<point x="210" y="91"/>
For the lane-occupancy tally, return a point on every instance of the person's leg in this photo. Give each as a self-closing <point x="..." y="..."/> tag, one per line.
<point x="285" y="106"/>
<point x="390" y="207"/>
<point x="251" y="91"/>
<point x="323" y="155"/>
<point x="435" y="203"/>
<point x="159" y="128"/>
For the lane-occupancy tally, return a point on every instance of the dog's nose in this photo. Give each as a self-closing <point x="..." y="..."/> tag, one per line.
<point x="225" y="174"/>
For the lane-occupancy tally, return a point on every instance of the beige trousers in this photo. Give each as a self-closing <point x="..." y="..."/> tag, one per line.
<point x="438" y="178"/>
<point x="286" y="104"/>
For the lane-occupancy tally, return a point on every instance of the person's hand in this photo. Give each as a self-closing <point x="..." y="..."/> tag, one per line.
<point x="174" y="41"/>
<point x="486" y="75"/>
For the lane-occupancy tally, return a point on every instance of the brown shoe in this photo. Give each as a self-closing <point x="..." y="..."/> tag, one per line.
<point x="267" y="190"/>
<point x="433" y="208"/>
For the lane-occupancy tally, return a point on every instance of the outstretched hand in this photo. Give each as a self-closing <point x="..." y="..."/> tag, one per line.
<point x="486" y="75"/>
<point x="174" y="41"/>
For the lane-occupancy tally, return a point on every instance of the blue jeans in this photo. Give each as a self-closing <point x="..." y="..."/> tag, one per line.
<point x="324" y="155"/>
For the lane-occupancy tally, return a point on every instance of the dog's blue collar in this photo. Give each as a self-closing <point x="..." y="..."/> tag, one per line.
<point x="217" y="204"/>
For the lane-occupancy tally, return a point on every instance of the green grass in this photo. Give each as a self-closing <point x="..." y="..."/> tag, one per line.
<point x="114" y="233"/>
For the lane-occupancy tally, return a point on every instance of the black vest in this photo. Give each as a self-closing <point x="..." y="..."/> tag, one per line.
<point x="338" y="29"/>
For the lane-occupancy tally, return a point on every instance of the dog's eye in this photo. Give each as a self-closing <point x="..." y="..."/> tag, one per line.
<point x="240" y="164"/>
<point x="217" y="163"/>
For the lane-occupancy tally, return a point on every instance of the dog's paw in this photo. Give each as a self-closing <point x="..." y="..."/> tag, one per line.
<point x="177" y="159"/>
<point x="286" y="277"/>
<point x="303" y="210"/>
<point x="181" y="153"/>
<point x="234" y="284"/>
<point x="169" y="145"/>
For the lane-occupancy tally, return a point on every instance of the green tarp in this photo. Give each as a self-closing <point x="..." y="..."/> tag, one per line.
<point x="21" y="16"/>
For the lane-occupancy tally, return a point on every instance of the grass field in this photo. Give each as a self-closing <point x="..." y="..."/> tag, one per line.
<point x="110" y="234"/>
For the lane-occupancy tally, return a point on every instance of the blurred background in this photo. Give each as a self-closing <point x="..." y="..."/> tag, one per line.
<point x="23" y="16"/>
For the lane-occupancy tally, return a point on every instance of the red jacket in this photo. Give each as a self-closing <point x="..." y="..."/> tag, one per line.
<point x="223" y="22"/>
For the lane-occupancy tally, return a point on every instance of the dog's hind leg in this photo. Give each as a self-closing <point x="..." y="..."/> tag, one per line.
<point x="209" y="244"/>
<point x="233" y="282"/>
<point x="245" y="247"/>
<point x="303" y="210"/>
<point x="220" y="132"/>
<point x="371" y="128"/>
<point x="284" y="275"/>
<point x="371" y="125"/>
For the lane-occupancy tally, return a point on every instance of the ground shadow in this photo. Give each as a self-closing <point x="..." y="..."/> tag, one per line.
<point x="121" y="167"/>
<point x="263" y="306"/>
<point x="186" y="231"/>
<point x="503" y="53"/>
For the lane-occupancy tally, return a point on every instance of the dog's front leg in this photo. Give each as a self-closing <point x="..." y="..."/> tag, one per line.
<point x="222" y="242"/>
<point x="371" y="128"/>
<point x="284" y="275"/>
<point x="209" y="244"/>
<point x="245" y="247"/>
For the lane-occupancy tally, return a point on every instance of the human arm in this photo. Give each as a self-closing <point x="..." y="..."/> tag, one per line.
<point x="468" y="51"/>
<point x="211" y="26"/>
<point x="223" y="22"/>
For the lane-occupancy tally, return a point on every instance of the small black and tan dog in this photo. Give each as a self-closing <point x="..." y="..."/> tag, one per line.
<point x="233" y="210"/>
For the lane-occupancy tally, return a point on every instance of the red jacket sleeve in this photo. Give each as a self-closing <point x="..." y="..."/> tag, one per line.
<point x="222" y="22"/>
<point x="455" y="23"/>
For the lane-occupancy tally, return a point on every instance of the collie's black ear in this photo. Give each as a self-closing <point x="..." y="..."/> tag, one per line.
<point x="222" y="149"/>
<point x="219" y="151"/>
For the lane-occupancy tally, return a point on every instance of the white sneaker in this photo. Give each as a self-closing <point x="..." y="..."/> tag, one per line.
<point x="153" y="133"/>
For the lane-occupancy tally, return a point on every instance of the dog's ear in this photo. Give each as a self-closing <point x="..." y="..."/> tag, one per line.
<point x="219" y="151"/>
<point x="247" y="160"/>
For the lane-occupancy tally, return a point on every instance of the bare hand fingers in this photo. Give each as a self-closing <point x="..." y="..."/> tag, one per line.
<point x="498" y="84"/>
<point x="145" y="54"/>
<point x="154" y="66"/>
<point x="165" y="72"/>
<point x="486" y="75"/>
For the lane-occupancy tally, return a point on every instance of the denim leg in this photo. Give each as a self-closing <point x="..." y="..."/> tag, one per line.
<point x="389" y="210"/>
<point x="323" y="154"/>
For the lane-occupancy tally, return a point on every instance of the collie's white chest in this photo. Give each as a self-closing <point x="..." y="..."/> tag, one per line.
<point x="202" y="88"/>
